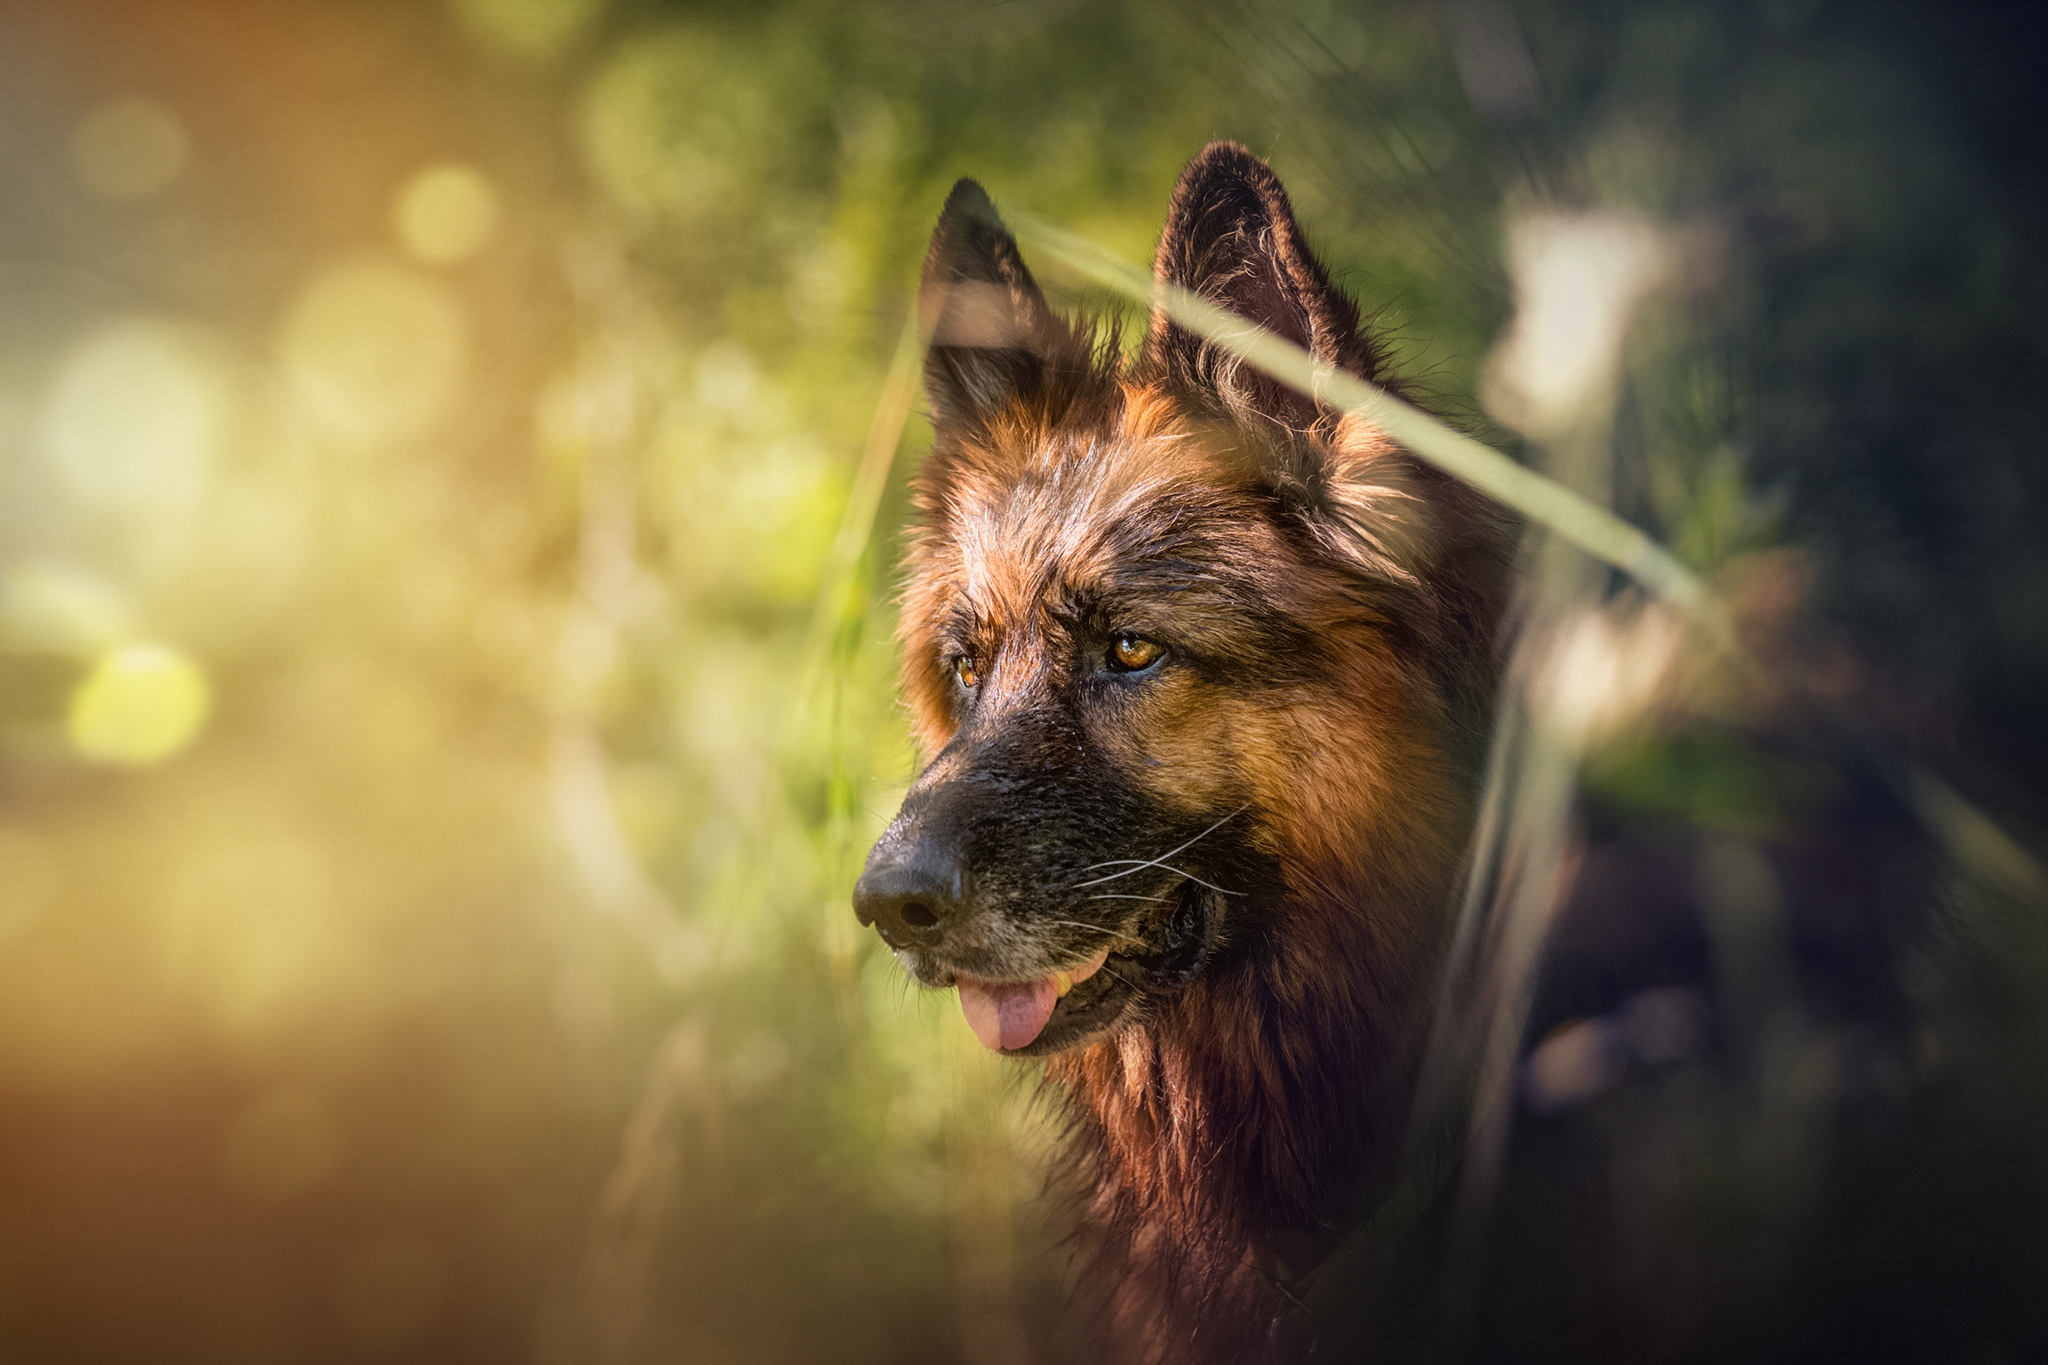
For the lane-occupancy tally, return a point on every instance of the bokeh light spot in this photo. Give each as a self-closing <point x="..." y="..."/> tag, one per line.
<point x="254" y="931"/>
<point x="527" y="28"/>
<point x="63" y="609"/>
<point x="668" y="123"/>
<point x="285" y="1143"/>
<point x="445" y="214"/>
<point x="1577" y="280"/>
<point x="129" y="149"/>
<point x="137" y="419"/>
<point x="374" y="353"/>
<point x="139" y="705"/>
<point x="1578" y="1062"/>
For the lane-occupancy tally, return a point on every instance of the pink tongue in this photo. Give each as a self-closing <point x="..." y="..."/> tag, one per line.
<point x="1006" y="1015"/>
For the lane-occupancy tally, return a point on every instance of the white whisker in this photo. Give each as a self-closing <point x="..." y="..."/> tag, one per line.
<point x="1164" y="867"/>
<point x="1139" y="864"/>
<point x="1171" y="851"/>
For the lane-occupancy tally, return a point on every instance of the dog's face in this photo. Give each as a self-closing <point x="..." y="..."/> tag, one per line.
<point x="1150" y="630"/>
<point x="1099" y="645"/>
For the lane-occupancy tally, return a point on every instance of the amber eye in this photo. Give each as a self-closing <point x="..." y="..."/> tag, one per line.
<point x="967" y="673"/>
<point x="1130" y="653"/>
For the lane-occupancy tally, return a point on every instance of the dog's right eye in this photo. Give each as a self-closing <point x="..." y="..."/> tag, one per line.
<point x="1134" y="653"/>
<point x="967" y="673"/>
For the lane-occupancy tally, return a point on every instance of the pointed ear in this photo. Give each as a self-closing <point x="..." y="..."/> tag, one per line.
<point x="991" y="328"/>
<point x="1231" y="238"/>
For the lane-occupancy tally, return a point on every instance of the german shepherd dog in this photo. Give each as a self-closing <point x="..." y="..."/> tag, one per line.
<point x="1200" y="666"/>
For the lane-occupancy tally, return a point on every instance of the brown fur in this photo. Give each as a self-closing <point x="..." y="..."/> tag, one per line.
<point x="1334" y="601"/>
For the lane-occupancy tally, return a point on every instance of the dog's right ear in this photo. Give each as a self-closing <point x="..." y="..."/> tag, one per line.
<point x="991" y="330"/>
<point x="1231" y="238"/>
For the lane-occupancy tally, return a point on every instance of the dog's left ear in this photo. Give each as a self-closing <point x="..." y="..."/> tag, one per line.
<point x="1231" y="238"/>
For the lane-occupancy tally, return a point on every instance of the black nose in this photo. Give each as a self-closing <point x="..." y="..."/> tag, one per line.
<point x="911" y="891"/>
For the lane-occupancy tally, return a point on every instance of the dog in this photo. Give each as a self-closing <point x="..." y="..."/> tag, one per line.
<point x="1202" y="669"/>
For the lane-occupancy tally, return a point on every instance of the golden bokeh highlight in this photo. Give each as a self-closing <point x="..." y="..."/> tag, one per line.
<point x="129" y="149"/>
<point x="445" y="214"/>
<point x="64" y="609"/>
<point x="139" y="705"/>
<point x="527" y="28"/>
<point x="255" y="932"/>
<point x="374" y="353"/>
<point x="140" y="414"/>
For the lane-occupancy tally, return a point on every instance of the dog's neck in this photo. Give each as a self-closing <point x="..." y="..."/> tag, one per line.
<point x="1229" y="1142"/>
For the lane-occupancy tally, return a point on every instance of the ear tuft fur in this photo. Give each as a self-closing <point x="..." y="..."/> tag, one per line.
<point x="1231" y="237"/>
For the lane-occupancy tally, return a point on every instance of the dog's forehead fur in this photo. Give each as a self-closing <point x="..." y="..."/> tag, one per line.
<point x="1147" y="521"/>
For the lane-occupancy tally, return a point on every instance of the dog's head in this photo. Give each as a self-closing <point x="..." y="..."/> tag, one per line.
<point x="1180" y="643"/>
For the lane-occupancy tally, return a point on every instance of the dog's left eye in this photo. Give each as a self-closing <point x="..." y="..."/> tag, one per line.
<point x="1134" y="653"/>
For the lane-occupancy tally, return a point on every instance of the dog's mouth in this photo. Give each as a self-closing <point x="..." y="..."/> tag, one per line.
<point x="1008" y="1015"/>
<point x="1071" y="1005"/>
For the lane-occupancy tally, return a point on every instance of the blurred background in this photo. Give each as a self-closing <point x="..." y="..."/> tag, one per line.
<point x="449" y="492"/>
